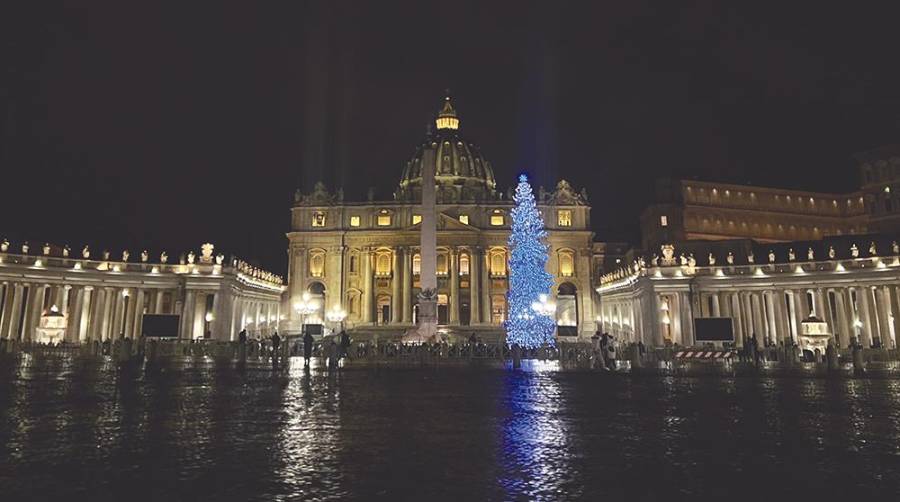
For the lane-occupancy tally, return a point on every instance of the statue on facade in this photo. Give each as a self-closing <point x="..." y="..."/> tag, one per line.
<point x="145" y="256"/>
<point x="810" y="254"/>
<point x="206" y="253"/>
<point x="682" y="259"/>
<point x="771" y="256"/>
<point x="25" y="247"/>
<point x="854" y="251"/>
<point x="4" y="246"/>
<point x="191" y="257"/>
<point x="654" y="260"/>
<point x="730" y="258"/>
<point x="831" y="252"/>
<point x="668" y="254"/>
<point x="46" y="248"/>
<point x="872" y="250"/>
<point x="692" y="261"/>
<point x="791" y="255"/>
<point x="125" y="255"/>
<point x="712" y="259"/>
<point x="163" y="257"/>
<point x="584" y="194"/>
<point x="66" y="251"/>
<point x="105" y="254"/>
<point x="750" y="258"/>
<point x="895" y="248"/>
<point x="542" y="194"/>
<point x="298" y="195"/>
<point x="85" y="252"/>
<point x="220" y="258"/>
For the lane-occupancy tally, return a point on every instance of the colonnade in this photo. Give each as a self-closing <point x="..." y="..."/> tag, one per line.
<point x="867" y="312"/>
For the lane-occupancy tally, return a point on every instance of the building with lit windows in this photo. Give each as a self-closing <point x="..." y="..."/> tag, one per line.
<point x="362" y="256"/>
<point x="774" y="261"/>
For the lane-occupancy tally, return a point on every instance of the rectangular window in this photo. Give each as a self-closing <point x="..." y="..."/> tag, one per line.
<point x="664" y="221"/>
<point x="564" y="218"/>
<point x="417" y="218"/>
<point x="464" y="219"/>
<point x="497" y="220"/>
<point x="354" y="221"/>
<point x="318" y="219"/>
<point x="384" y="220"/>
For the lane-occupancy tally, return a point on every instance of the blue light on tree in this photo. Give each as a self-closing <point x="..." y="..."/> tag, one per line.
<point x="529" y="282"/>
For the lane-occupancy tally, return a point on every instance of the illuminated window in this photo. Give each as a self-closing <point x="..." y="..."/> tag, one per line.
<point x="566" y="264"/>
<point x="564" y="218"/>
<point x="417" y="218"/>
<point x="318" y="219"/>
<point x="417" y="264"/>
<point x="664" y="221"/>
<point x="464" y="218"/>
<point x="384" y="219"/>
<point x="498" y="264"/>
<point x="463" y="264"/>
<point x="498" y="309"/>
<point x="441" y="264"/>
<point x="354" y="221"/>
<point x="317" y="263"/>
<point x="383" y="264"/>
<point x="497" y="218"/>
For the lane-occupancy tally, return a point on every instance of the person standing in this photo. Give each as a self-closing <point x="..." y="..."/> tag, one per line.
<point x="307" y="348"/>
<point x="345" y="344"/>
<point x="276" y="344"/>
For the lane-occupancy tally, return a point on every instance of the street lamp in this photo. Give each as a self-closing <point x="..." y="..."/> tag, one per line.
<point x="337" y="315"/>
<point x="305" y="307"/>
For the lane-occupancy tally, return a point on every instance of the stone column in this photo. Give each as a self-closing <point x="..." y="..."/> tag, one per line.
<point x="737" y="319"/>
<point x="453" y="256"/>
<point x="687" y="324"/>
<point x="368" y="294"/>
<point x="486" y="287"/>
<point x="783" y="328"/>
<point x="11" y="321"/>
<point x="798" y="302"/>
<point x="234" y="323"/>
<point x="864" y="298"/>
<point x="844" y="319"/>
<point x="118" y="331"/>
<point x="95" y="315"/>
<point x="73" y="321"/>
<point x="158" y="301"/>
<point x="895" y="308"/>
<point x="772" y="317"/>
<point x="397" y="273"/>
<point x="34" y="310"/>
<point x="407" y="276"/>
<point x="187" y="314"/>
<point x="716" y="308"/>
<point x="9" y="293"/>
<point x="474" y="286"/>
<point x="884" y="316"/>
<point x="133" y="312"/>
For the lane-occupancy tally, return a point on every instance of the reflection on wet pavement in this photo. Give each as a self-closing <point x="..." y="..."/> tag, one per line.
<point x="207" y="432"/>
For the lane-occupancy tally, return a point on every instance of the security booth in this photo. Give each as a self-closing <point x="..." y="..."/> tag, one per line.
<point x="813" y="339"/>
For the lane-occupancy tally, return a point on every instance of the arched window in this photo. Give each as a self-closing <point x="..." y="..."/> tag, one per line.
<point x="498" y="263"/>
<point x="383" y="264"/>
<point x="416" y="264"/>
<point x="317" y="263"/>
<point x="464" y="264"/>
<point x="566" y="263"/>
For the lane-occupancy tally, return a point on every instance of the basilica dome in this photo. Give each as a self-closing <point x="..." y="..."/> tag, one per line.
<point x="461" y="172"/>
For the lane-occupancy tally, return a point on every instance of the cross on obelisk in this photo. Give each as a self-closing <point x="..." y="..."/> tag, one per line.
<point x="427" y="316"/>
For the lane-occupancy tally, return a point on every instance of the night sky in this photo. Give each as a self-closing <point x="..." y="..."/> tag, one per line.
<point x="163" y="127"/>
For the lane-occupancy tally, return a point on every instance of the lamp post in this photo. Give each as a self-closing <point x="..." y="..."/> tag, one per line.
<point x="337" y="315"/>
<point x="305" y="307"/>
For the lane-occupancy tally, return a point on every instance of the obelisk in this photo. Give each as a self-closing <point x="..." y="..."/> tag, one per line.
<point x="427" y="317"/>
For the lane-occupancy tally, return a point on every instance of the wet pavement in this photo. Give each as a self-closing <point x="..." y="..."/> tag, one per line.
<point x="76" y="429"/>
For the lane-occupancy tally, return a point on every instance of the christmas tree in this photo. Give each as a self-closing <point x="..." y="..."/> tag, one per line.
<point x="529" y="324"/>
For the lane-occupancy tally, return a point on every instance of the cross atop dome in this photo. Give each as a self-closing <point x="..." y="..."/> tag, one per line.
<point x="446" y="118"/>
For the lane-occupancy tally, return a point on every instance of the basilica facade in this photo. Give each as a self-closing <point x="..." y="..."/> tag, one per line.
<point x="362" y="257"/>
